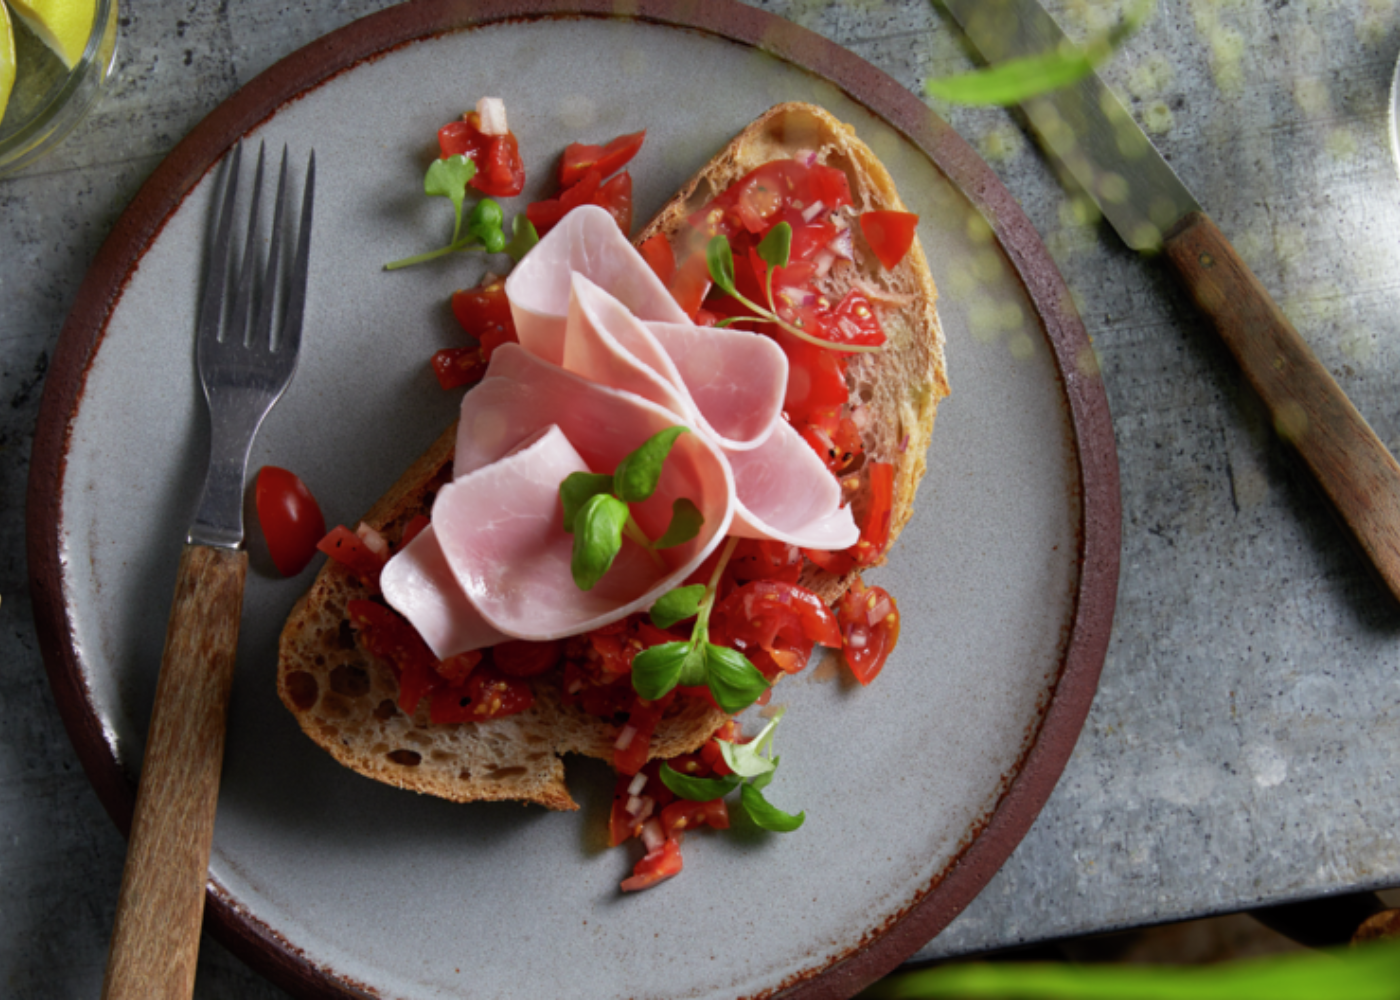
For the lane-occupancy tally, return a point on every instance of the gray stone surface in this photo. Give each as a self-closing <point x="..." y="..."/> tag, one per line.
<point x="1241" y="746"/>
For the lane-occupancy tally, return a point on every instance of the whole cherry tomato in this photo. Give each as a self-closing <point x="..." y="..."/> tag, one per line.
<point x="291" y="519"/>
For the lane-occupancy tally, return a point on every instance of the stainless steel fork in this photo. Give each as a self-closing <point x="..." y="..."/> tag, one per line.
<point x="244" y="367"/>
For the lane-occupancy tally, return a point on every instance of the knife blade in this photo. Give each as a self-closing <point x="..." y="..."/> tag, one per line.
<point x="1091" y="137"/>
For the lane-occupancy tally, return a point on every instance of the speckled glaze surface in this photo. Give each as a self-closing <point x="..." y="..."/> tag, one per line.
<point x="916" y="789"/>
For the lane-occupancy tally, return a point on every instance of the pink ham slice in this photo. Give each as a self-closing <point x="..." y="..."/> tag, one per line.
<point x="418" y="583"/>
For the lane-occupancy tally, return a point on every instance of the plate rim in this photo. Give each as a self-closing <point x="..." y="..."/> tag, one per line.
<point x="377" y="35"/>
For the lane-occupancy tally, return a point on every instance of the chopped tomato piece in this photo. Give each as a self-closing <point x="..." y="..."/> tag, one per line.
<point x="870" y="627"/>
<point x="659" y="256"/>
<point x="500" y="171"/>
<point x="519" y="658"/>
<point x="633" y="744"/>
<point x="348" y="549"/>
<point x="413" y="528"/>
<point x="457" y="668"/>
<point x="616" y="197"/>
<point x="839" y="563"/>
<point x="875" y="519"/>
<point x="458" y="366"/>
<point x="853" y="321"/>
<point x="755" y="559"/>
<point x="290" y="518"/>
<point x="656" y="866"/>
<point x="545" y="215"/>
<point x="683" y="814"/>
<point x="691" y="281"/>
<point x="775" y="625"/>
<point x="388" y="637"/>
<point x="579" y="159"/>
<point x="816" y="378"/>
<point x="484" y="313"/>
<point x="488" y="695"/>
<point x="890" y="234"/>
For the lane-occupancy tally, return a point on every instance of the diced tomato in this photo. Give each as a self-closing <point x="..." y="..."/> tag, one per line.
<point x="870" y="627"/>
<point x="816" y="378"/>
<point x="775" y="625"/>
<point x="616" y="197"/>
<point x="457" y="668"/>
<point x="484" y="313"/>
<point x="834" y="438"/>
<point x="854" y="321"/>
<point x="520" y="658"/>
<point x="755" y="559"/>
<point x="809" y="237"/>
<point x="656" y="866"/>
<point x="414" y="528"/>
<point x="545" y="215"/>
<point x="348" y="549"/>
<point x="500" y="171"/>
<point x="890" y="234"/>
<point x="458" y="366"/>
<point x="683" y="814"/>
<point x="839" y="563"/>
<point x="579" y="159"/>
<point x="390" y="638"/>
<point x="659" y="256"/>
<point x="827" y="185"/>
<point x="875" y="518"/>
<point x="488" y="695"/>
<point x="691" y="281"/>
<point x="634" y="739"/>
<point x="290" y="518"/>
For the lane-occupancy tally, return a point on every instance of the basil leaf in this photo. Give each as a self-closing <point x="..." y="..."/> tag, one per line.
<point x="721" y="261"/>
<point x="686" y="522"/>
<point x="677" y="605"/>
<point x="749" y="758"/>
<point x="656" y="670"/>
<point x="448" y="179"/>
<point x="767" y="815"/>
<point x="523" y="237"/>
<point x="733" y="680"/>
<point x="776" y="247"/>
<point x="766" y="779"/>
<point x="577" y="489"/>
<point x="637" y="474"/>
<point x="693" y="672"/>
<point x="597" y="538"/>
<point x="698" y="789"/>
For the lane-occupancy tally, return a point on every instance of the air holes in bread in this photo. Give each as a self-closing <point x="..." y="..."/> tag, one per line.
<point x="406" y="758"/>
<point x="302" y="689"/>
<point x="351" y="681"/>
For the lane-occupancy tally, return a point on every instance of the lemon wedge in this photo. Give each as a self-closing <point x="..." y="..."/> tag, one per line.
<point x="62" y="25"/>
<point x="7" y="59"/>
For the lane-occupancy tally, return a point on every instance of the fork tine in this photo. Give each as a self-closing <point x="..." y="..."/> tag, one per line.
<point x="262" y="329"/>
<point x="211" y="309"/>
<point x="296" y="293"/>
<point x="237" y="325"/>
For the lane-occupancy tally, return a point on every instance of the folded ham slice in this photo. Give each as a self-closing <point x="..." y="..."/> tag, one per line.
<point x="606" y="360"/>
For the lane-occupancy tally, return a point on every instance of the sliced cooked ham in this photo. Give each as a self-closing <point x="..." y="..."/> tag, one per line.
<point x="606" y="360"/>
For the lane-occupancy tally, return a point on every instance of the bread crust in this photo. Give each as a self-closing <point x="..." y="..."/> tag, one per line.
<point x="347" y="701"/>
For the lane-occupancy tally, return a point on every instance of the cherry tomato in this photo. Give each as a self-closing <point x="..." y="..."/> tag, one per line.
<point x="500" y="172"/>
<point x="348" y="549"/>
<point x="890" y="234"/>
<point x="387" y="637"/>
<point x="656" y="866"/>
<point x="519" y="658"/>
<point x="686" y="815"/>
<point x="579" y="159"/>
<point x="488" y="695"/>
<point x="870" y="627"/>
<point x="290" y="518"/>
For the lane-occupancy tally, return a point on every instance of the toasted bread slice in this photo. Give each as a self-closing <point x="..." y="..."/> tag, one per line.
<point x="347" y="701"/>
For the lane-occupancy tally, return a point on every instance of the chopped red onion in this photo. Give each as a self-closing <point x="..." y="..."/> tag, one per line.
<point x="842" y="245"/>
<point x="812" y="211"/>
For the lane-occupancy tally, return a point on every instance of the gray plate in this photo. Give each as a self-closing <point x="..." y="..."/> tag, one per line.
<point x="334" y="884"/>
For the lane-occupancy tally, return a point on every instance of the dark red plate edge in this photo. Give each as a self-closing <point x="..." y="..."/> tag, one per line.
<point x="377" y="34"/>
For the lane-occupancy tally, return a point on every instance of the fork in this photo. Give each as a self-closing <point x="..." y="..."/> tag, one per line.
<point x="243" y="369"/>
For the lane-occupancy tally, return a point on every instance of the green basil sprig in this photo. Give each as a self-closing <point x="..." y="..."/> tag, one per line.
<point x="598" y="515"/>
<point x="448" y="178"/>
<point x="753" y="769"/>
<point x="732" y="679"/>
<point x="775" y="250"/>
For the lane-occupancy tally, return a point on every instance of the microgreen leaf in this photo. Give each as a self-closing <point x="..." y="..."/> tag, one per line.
<point x="698" y="789"/>
<point x="657" y="669"/>
<point x="776" y="247"/>
<point x="721" y="262"/>
<point x="637" y="474"/>
<point x="597" y="538"/>
<point x="765" y="779"/>
<point x="448" y="178"/>
<point x="733" y="680"/>
<point x="765" y="814"/>
<point x="523" y="237"/>
<point x="677" y="605"/>
<point x="750" y="759"/>
<point x="686" y="522"/>
<point x="577" y="489"/>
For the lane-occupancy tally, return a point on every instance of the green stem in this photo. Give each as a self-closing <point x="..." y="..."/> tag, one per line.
<point x="634" y="531"/>
<point x="771" y="316"/>
<point x="466" y="244"/>
<point x="701" y="633"/>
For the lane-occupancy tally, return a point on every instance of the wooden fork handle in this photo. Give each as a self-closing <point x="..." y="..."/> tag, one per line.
<point x="155" y="942"/>
<point x="1309" y="410"/>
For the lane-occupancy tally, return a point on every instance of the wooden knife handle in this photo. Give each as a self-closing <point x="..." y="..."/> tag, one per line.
<point x="155" y="942"/>
<point x="1309" y="410"/>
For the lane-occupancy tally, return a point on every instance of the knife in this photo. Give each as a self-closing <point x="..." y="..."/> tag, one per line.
<point x="1087" y="132"/>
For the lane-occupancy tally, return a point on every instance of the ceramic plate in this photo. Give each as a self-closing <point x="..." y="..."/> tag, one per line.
<point x="915" y="789"/>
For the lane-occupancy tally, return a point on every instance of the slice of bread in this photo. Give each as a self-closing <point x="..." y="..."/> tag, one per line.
<point x="347" y="701"/>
